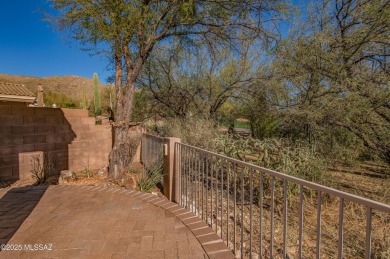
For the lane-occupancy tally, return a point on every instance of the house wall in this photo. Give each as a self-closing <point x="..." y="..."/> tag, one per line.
<point x="67" y="136"/>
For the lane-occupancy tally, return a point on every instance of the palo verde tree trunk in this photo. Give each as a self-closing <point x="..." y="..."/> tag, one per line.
<point x="120" y="156"/>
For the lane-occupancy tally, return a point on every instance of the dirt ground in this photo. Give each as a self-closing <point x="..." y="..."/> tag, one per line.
<point x="369" y="179"/>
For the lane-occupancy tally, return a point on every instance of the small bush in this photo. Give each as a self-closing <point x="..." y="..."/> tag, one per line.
<point x="42" y="168"/>
<point x="70" y="104"/>
<point x="61" y="100"/>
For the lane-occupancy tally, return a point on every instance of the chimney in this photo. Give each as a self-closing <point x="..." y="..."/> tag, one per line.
<point x="40" y="96"/>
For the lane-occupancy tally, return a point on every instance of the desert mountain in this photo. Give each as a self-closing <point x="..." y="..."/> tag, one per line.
<point x="71" y="86"/>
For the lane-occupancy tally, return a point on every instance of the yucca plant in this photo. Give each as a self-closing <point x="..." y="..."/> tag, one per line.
<point x="151" y="177"/>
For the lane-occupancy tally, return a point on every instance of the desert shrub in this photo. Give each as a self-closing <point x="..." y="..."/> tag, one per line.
<point x="264" y="127"/>
<point x="151" y="177"/>
<point x="42" y="167"/>
<point x="135" y="168"/>
<point x="296" y="159"/>
<point x="193" y="131"/>
<point x="60" y="99"/>
<point x="70" y="104"/>
<point x="341" y="145"/>
<point x="87" y="168"/>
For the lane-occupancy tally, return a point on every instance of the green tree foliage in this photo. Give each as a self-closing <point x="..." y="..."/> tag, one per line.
<point x="144" y="106"/>
<point x="96" y="94"/>
<point x="196" y="84"/>
<point x="130" y="30"/>
<point x="332" y="77"/>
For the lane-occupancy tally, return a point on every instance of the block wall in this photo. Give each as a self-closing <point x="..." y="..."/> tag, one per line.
<point x="67" y="136"/>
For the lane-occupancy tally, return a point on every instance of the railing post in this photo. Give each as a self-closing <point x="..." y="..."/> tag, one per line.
<point x="169" y="168"/>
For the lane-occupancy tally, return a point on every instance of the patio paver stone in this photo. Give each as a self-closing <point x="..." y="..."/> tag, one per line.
<point x="97" y="222"/>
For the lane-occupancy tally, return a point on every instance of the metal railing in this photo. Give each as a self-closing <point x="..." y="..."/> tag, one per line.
<point x="262" y="213"/>
<point x="152" y="150"/>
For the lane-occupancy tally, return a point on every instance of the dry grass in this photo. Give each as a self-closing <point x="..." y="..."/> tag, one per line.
<point x="369" y="179"/>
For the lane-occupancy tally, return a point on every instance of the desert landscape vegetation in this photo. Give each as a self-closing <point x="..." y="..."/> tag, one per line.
<point x="313" y="100"/>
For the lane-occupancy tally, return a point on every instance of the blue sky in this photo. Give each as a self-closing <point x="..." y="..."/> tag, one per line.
<point x="32" y="47"/>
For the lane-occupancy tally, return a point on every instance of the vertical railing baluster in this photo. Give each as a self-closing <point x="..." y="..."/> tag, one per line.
<point x="207" y="189"/>
<point x="228" y="205"/>
<point x="182" y="176"/>
<point x="211" y="194"/>
<point x="174" y="162"/>
<point x="191" y="181"/>
<point x="195" y="183"/>
<point x="242" y="212"/>
<point x="183" y="195"/>
<point x="285" y="220"/>
<point x="235" y="208"/>
<point x="272" y="216"/>
<point x="341" y="229"/>
<point x="203" y="156"/>
<point x="301" y="200"/>
<point x="319" y="203"/>
<point x="181" y="173"/>
<point x="222" y="183"/>
<point x="188" y="178"/>
<point x="251" y="211"/>
<point x="199" y="187"/>
<point x="368" y="233"/>
<point x="197" y="172"/>
<point x="216" y="198"/>
<point x="185" y="177"/>
<point x="261" y="215"/>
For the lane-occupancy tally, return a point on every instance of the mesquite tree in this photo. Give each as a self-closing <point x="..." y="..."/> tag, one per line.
<point x="334" y="75"/>
<point x="130" y="30"/>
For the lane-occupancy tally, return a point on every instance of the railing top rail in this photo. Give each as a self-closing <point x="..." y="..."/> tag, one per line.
<point x="347" y="196"/>
<point x="153" y="136"/>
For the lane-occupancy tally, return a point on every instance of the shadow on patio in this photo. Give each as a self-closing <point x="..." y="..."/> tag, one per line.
<point x="15" y="206"/>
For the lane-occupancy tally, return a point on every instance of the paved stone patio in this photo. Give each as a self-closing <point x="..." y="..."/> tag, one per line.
<point x="100" y="222"/>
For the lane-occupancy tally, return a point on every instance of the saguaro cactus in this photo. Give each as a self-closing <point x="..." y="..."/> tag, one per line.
<point x="96" y="92"/>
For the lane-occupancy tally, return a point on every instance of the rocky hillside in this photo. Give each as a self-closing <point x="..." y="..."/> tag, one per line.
<point x="71" y="86"/>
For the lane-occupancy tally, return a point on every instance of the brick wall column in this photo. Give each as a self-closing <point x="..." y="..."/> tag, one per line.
<point x="170" y="174"/>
